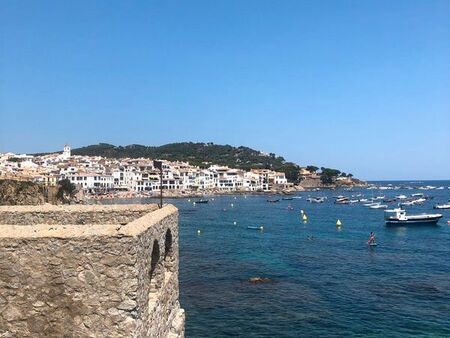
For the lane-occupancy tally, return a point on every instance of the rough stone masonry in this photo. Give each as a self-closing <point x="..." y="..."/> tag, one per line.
<point x="89" y="271"/>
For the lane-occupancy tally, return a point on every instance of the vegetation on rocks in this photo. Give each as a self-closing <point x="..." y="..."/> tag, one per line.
<point x="66" y="191"/>
<point x="13" y="192"/>
<point x="328" y="176"/>
<point x="21" y="193"/>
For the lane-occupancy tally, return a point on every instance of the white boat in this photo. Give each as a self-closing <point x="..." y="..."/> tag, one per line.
<point x="378" y="206"/>
<point x="398" y="216"/>
<point x="341" y="200"/>
<point x="370" y="204"/>
<point x="316" y="199"/>
<point x="442" y="206"/>
<point x="413" y="202"/>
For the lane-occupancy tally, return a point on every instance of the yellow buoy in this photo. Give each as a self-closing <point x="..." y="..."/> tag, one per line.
<point x="338" y="223"/>
<point x="304" y="217"/>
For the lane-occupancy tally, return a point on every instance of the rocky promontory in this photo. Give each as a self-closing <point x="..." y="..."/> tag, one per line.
<point x="21" y="193"/>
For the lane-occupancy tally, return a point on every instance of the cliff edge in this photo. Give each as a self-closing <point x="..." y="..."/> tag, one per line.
<point x="21" y="193"/>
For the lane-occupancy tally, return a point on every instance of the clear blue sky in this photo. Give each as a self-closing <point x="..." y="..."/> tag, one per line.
<point x="363" y="86"/>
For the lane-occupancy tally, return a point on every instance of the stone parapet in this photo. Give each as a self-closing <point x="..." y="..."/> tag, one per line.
<point x="112" y="279"/>
<point x="73" y="214"/>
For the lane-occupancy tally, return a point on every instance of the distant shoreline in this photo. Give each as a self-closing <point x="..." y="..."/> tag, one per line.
<point x="200" y="194"/>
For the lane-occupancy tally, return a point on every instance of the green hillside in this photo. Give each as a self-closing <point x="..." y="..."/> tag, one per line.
<point x="201" y="154"/>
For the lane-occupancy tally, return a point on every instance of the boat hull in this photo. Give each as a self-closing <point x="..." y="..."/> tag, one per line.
<point x="430" y="220"/>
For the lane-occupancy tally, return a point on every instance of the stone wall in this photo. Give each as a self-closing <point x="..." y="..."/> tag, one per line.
<point x="90" y="280"/>
<point x="73" y="214"/>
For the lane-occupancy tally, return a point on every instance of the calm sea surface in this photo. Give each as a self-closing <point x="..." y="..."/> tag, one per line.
<point x="326" y="282"/>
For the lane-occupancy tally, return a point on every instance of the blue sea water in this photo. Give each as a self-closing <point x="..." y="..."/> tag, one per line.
<point x="332" y="285"/>
<point x="326" y="281"/>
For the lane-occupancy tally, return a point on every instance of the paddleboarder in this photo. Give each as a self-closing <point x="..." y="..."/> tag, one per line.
<point x="371" y="238"/>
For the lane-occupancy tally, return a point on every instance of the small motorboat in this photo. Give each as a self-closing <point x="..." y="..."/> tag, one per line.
<point x="399" y="217"/>
<point x="273" y="201"/>
<point x="342" y="200"/>
<point x="316" y="200"/>
<point x="378" y="206"/>
<point x="442" y="206"/>
<point x="287" y="198"/>
<point x="255" y="227"/>
<point x="201" y="202"/>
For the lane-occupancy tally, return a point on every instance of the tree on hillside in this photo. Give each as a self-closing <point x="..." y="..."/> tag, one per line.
<point x="291" y="172"/>
<point x="312" y="168"/>
<point x="327" y="175"/>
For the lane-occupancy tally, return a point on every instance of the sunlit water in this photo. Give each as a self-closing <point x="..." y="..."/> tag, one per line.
<point x="326" y="281"/>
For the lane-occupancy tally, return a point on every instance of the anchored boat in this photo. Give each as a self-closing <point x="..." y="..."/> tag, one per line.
<point x="378" y="206"/>
<point x="442" y="206"/>
<point x="201" y="201"/>
<point x="399" y="217"/>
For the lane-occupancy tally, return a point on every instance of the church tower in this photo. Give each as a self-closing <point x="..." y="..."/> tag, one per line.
<point x="66" y="152"/>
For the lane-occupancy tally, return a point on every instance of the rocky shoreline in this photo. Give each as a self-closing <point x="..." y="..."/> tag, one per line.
<point x="216" y="192"/>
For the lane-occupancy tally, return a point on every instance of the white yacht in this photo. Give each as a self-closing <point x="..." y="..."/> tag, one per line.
<point x="398" y="216"/>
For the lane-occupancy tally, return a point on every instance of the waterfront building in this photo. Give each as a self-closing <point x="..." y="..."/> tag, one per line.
<point x="92" y="181"/>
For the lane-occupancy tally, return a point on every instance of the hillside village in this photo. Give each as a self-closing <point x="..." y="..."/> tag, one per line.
<point x="97" y="175"/>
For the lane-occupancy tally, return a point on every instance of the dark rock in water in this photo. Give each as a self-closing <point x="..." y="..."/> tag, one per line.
<point x="257" y="280"/>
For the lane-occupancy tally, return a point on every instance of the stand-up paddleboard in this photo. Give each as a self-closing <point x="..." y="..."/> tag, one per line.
<point x="255" y="228"/>
<point x="373" y="244"/>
